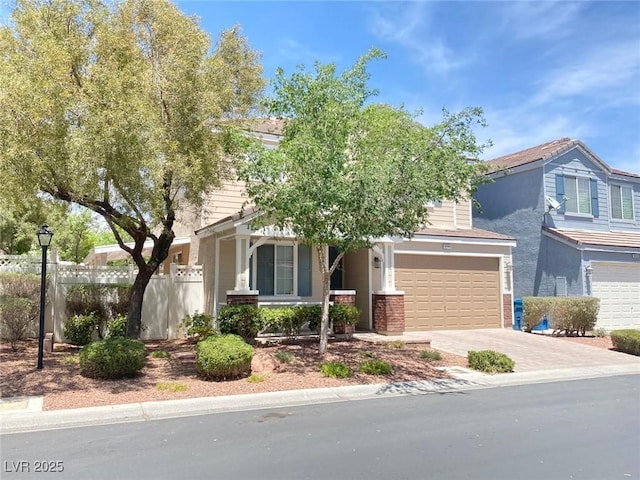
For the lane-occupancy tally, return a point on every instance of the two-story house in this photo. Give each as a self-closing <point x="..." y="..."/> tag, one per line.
<point x="577" y="225"/>
<point x="449" y="275"/>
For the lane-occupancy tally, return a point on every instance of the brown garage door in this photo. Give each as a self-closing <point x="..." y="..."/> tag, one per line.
<point x="449" y="292"/>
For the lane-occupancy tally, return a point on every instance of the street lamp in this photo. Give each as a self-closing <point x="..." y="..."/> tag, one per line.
<point x="44" y="239"/>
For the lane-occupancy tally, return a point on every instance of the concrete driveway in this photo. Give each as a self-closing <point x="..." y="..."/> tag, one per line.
<point x="531" y="352"/>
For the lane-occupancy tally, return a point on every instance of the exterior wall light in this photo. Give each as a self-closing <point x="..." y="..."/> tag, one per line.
<point x="588" y="270"/>
<point x="377" y="262"/>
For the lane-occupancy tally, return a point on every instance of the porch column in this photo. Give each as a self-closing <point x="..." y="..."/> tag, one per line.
<point x="387" y="302"/>
<point x="241" y="294"/>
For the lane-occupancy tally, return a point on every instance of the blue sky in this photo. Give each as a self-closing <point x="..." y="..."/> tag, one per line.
<point x="540" y="70"/>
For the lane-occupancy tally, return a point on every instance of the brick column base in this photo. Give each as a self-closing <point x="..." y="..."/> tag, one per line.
<point x="242" y="298"/>
<point x="507" y="308"/>
<point x="388" y="313"/>
<point x="346" y="297"/>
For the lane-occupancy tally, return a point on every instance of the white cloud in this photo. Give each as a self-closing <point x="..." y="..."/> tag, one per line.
<point x="407" y="25"/>
<point x="608" y="72"/>
<point x="547" y="20"/>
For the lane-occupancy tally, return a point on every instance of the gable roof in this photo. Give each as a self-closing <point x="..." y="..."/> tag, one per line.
<point x="532" y="154"/>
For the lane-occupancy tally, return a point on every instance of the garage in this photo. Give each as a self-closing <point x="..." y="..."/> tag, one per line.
<point x="617" y="285"/>
<point x="448" y="292"/>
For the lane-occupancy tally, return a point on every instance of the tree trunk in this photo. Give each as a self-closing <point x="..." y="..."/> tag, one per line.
<point x="326" y="270"/>
<point x="134" y="320"/>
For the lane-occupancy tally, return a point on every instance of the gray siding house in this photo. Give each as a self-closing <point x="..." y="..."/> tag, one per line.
<point x="577" y="225"/>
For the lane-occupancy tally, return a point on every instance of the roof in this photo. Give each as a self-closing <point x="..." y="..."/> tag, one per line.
<point x="114" y="252"/>
<point x="274" y="126"/>
<point x="230" y="218"/>
<point x="597" y="239"/>
<point x="465" y="233"/>
<point x="532" y="154"/>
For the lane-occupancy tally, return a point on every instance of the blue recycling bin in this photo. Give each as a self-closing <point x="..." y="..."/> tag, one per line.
<point x="518" y="313"/>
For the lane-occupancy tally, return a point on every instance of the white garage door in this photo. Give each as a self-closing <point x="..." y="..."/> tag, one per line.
<point x="617" y="285"/>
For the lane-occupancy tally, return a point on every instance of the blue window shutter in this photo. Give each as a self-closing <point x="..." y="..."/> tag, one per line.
<point x="264" y="269"/>
<point x="304" y="270"/>
<point x="560" y="191"/>
<point x="595" y="211"/>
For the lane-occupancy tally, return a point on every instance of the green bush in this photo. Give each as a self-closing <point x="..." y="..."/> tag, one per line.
<point x="285" y="357"/>
<point x="627" y="341"/>
<point x="490" y="362"/>
<point x="159" y="354"/>
<point x="242" y="320"/>
<point x="104" y="301"/>
<point x="309" y="314"/>
<point x="18" y="319"/>
<point x="343" y="314"/>
<point x="335" y="370"/>
<point x="432" y="355"/>
<point x="115" y="357"/>
<point x="281" y="319"/>
<point x="223" y="357"/>
<point x="79" y="329"/>
<point x="375" y="367"/>
<point x="198" y="325"/>
<point x="19" y="306"/>
<point x="117" y="327"/>
<point x="568" y="315"/>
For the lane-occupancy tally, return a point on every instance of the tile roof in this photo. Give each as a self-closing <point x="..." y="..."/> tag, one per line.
<point x="274" y="126"/>
<point x="623" y="173"/>
<point x="532" y="154"/>
<point x="464" y="233"/>
<point x="600" y="239"/>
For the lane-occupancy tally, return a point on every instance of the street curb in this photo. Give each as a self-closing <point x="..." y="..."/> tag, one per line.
<point x="30" y="421"/>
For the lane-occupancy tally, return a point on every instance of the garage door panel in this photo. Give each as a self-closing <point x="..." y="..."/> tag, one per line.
<point x="617" y="285"/>
<point x="449" y="292"/>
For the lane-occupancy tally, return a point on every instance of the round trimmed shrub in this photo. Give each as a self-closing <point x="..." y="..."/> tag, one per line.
<point x="223" y="357"/>
<point x="79" y="329"/>
<point x="489" y="361"/>
<point x="115" y="357"/>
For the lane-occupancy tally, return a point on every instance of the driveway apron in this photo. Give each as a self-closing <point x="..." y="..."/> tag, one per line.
<point x="531" y="352"/>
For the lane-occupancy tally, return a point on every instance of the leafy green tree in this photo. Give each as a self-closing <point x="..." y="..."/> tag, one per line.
<point x="111" y="105"/>
<point x="348" y="171"/>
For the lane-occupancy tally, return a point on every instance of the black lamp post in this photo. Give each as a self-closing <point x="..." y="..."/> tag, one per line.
<point x="44" y="239"/>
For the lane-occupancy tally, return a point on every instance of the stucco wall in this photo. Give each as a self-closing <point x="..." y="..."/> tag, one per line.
<point x="557" y="260"/>
<point x="514" y="205"/>
<point x="356" y="277"/>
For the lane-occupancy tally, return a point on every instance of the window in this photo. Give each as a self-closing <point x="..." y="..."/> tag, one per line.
<point x="621" y="202"/>
<point x="276" y="267"/>
<point x="578" y="195"/>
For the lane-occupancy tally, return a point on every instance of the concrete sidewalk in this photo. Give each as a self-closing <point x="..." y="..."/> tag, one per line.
<point x="538" y="359"/>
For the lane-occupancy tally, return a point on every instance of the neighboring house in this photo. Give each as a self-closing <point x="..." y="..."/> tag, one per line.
<point x="449" y="275"/>
<point x="577" y="224"/>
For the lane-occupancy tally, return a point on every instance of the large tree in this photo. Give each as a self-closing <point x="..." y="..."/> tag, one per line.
<point x="110" y="105"/>
<point x="348" y="171"/>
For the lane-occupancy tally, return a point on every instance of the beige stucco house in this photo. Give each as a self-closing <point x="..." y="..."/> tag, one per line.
<point x="449" y="275"/>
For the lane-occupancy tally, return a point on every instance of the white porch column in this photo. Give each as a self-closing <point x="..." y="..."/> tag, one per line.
<point x="242" y="263"/>
<point x="385" y="265"/>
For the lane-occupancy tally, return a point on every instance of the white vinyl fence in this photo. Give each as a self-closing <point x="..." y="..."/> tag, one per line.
<point x="167" y="299"/>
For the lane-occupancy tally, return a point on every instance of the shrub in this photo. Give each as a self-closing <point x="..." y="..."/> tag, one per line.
<point x="490" y="362"/>
<point x="375" y="367"/>
<point x="159" y="354"/>
<point x="255" y="378"/>
<point x="284" y="357"/>
<point x="117" y="327"/>
<point x="242" y="320"/>
<point x="18" y="319"/>
<point x="223" y="357"/>
<point x="115" y="357"/>
<point x="568" y="315"/>
<point x="627" y="341"/>
<point x="22" y="285"/>
<point x="394" y="344"/>
<point x="600" y="332"/>
<point x="198" y="325"/>
<point x="104" y="301"/>
<point x="431" y="355"/>
<point x="71" y="360"/>
<point x="282" y="319"/>
<point x="335" y="370"/>
<point x="79" y="329"/>
<point x="344" y="314"/>
<point x="309" y="314"/>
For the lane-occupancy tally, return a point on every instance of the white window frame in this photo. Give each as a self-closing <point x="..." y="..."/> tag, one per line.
<point x="571" y="194"/>
<point x="254" y="267"/>
<point x="621" y="186"/>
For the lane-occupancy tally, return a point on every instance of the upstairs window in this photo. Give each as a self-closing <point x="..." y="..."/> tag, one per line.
<point x="621" y="202"/>
<point x="578" y="195"/>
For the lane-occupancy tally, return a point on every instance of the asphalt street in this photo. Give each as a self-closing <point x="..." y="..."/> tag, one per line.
<point x="583" y="429"/>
